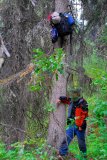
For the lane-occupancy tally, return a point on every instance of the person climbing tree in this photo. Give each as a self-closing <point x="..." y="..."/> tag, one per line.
<point x="76" y="121"/>
<point x="62" y="25"/>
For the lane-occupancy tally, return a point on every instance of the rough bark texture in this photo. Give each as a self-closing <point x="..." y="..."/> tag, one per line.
<point x="58" y="118"/>
<point x="24" y="27"/>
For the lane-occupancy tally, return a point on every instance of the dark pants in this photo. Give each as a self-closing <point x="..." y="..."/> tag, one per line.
<point x="70" y="133"/>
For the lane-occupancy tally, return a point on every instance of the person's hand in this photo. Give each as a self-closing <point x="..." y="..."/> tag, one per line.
<point x="58" y="101"/>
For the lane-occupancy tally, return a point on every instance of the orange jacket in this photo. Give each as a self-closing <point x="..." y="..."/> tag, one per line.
<point x="80" y="116"/>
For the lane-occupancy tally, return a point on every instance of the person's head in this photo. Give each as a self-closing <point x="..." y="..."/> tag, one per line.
<point x="76" y="94"/>
<point x="55" y="17"/>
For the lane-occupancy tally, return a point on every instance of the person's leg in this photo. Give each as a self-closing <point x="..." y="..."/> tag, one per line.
<point x="70" y="133"/>
<point x="81" y="140"/>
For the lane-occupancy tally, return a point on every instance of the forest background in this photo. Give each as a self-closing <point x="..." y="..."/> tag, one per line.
<point x="25" y="93"/>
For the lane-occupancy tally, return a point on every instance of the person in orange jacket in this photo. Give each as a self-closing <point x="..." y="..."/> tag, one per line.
<point x="77" y="114"/>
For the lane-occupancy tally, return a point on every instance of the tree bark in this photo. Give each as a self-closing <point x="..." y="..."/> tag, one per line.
<point x="23" y="28"/>
<point x="56" y="131"/>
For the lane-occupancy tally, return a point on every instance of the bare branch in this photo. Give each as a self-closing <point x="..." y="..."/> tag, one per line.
<point x="18" y="76"/>
<point x="3" y="48"/>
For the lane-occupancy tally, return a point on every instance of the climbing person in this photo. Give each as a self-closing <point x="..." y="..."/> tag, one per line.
<point x="62" y="25"/>
<point x="76" y="121"/>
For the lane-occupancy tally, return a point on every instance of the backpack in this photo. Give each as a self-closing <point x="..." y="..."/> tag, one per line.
<point x="54" y="34"/>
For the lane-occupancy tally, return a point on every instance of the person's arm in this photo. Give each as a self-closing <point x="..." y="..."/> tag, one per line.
<point x="63" y="99"/>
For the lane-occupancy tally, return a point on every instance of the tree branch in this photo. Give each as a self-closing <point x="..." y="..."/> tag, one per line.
<point x="3" y="48"/>
<point x="18" y="76"/>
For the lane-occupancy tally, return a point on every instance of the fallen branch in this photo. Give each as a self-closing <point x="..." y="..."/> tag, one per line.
<point x="18" y="76"/>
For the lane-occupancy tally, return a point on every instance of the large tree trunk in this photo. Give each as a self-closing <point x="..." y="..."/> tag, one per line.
<point x="56" y="132"/>
<point x="23" y="29"/>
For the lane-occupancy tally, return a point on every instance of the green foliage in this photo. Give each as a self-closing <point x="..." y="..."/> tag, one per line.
<point x="96" y="68"/>
<point x="46" y="66"/>
<point x="96" y="141"/>
<point x="73" y="148"/>
<point x="28" y="150"/>
<point x="94" y="65"/>
<point x="100" y="109"/>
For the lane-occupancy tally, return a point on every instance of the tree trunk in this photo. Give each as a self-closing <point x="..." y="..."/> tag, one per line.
<point x="23" y="29"/>
<point x="56" y="132"/>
